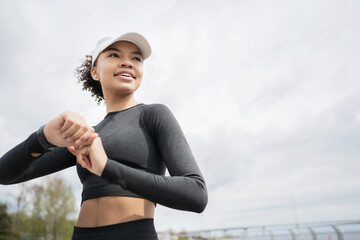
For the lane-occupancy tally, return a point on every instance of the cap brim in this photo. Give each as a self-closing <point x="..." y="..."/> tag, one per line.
<point x="132" y="37"/>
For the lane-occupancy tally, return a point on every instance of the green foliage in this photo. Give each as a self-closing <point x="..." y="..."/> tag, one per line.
<point x="7" y="230"/>
<point x="183" y="235"/>
<point x="44" y="210"/>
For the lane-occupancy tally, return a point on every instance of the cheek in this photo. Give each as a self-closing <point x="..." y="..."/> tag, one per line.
<point x="140" y="70"/>
<point x="105" y="71"/>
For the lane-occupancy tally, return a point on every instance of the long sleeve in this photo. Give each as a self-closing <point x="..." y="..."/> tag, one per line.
<point x="185" y="188"/>
<point x="17" y="165"/>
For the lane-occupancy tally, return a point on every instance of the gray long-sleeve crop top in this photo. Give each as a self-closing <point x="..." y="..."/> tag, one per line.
<point x="140" y="143"/>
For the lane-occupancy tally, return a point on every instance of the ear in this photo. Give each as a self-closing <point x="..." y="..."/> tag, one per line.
<point x="94" y="74"/>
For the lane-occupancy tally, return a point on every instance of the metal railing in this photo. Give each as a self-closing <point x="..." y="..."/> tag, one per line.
<point x="335" y="230"/>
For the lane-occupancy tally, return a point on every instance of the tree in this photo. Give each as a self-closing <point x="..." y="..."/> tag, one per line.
<point x="36" y="193"/>
<point x="183" y="235"/>
<point x="59" y="203"/>
<point x="7" y="231"/>
<point x="44" y="210"/>
<point x="22" y="202"/>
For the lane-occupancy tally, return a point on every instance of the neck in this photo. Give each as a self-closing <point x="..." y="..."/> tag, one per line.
<point x="119" y="103"/>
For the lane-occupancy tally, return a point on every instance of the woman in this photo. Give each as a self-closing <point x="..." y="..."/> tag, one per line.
<point x="121" y="162"/>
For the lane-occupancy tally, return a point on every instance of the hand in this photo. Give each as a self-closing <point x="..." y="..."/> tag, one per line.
<point x="92" y="157"/>
<point x="69" y="129"/>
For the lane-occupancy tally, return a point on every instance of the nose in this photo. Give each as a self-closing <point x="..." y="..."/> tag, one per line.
<point x="126" y="64"/>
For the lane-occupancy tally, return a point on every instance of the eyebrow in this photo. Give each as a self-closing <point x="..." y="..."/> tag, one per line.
<point x="118" y="50"/>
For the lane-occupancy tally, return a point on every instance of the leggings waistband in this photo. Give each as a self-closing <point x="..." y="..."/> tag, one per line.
<point x="142" y="229"/>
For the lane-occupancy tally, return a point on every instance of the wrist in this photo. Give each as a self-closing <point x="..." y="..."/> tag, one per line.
<point x="102" y="167"/>
<point x="42" y="139"/>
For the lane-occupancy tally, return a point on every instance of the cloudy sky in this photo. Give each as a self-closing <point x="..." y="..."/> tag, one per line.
<point x="265" y="91"/>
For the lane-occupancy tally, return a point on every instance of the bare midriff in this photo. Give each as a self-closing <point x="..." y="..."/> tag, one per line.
<point x="112" y="210"/>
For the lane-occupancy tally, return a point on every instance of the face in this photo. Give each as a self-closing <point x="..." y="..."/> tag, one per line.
<point x="119" y="68"/>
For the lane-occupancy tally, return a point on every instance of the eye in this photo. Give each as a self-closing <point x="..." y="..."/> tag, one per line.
<point x="114" y="55"/>
<point x="137" y="59"/>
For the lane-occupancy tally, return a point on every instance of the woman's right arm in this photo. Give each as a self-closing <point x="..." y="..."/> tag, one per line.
<point x="18" y="165"/>
<point x="32" y="158"/>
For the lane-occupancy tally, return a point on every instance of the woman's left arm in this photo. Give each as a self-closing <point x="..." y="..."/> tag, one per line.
<point x="184" y="189"/>
<point x="182" y="192"/>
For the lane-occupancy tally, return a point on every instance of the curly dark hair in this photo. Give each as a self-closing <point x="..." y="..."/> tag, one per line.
<point x="89" y="84"/>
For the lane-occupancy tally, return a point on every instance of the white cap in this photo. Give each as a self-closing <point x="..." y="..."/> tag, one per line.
<point x="132" y="37"/>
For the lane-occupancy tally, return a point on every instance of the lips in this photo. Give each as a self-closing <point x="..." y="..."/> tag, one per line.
<point x="125" y="73"/>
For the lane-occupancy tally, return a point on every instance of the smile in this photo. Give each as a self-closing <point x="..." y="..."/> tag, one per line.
<point x="125" y="74"/>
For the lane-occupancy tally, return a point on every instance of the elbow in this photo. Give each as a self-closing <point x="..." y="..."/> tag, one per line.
<point x="194" y="202"/>
<point x="201" y="202"/>
<point x="3" y="182"/>
<point x="201" y="199"/>
<point x="7" y="182"/>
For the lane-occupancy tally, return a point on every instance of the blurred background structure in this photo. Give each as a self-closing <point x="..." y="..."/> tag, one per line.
<point x="342" y="230"/>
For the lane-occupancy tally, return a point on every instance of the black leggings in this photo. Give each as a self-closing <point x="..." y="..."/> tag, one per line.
<point x="142" y="229"/>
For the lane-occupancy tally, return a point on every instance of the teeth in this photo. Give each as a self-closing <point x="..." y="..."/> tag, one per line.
<point x="125" y="75"/>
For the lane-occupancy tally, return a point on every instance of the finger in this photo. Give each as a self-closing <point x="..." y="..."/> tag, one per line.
<point x="76" y="131"/>
<point x="86" y="137"/>
<point x="85" y="160"/>
<point x="89" y="141"/>
<point x="72" y="121"/>
<point x="82" y="132"/>
<point x="83" y="149"/>
<point x="73" y="129"/>
<point x="68" y="120"/>
<point x="72" y="150"/>
<point x="80" y="159"/>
